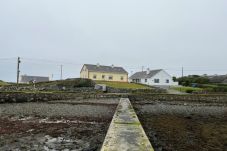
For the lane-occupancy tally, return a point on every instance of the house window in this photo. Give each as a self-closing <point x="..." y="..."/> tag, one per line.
<point x="137" y="80"/>
<point x="167" y="80"/>
<point x="103" y="76"/>
<point x="94" y="76"/>
<point x="145" y="80"/>
<point x="110" y="77"/>
<point x="156" y="80"/>
<point x="122" y="78"/>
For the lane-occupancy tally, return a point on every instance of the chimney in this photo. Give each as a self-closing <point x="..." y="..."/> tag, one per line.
<point x="98" y="65"/>
<point x="112" y="66"/>
<point x="148" y="71"/>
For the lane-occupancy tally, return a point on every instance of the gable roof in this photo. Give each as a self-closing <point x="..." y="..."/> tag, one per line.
<point x="217" y="78"/>
<point x="108" y="69"/>
<point x="144" y="75"/>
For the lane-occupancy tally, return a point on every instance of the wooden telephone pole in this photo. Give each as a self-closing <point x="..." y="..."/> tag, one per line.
<point x="182" y="72"/>
<point x="18" y="69"/>
<point x="61" y="72"/>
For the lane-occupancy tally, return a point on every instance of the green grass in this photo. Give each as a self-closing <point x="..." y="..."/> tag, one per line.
<point x="215" y="87"/>
<point x="2" y="83"/>
<point x="185" y="89"/>
<point x="122" y="85"/>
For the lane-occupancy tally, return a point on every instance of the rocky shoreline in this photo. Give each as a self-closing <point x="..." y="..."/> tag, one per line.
<point x="48" y="126"/>
<point x="184" y="127"/>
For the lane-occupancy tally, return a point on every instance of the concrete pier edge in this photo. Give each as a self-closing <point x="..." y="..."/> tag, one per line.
<point x="126" y="132"/>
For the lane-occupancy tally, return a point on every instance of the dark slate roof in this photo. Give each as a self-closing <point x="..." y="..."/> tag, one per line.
<point x="144" y="75"/>
<point x="225" y="81"/>
<point x="26" y="79"/>
<point x="109" y="69"/>
<point x="217" y="78"/>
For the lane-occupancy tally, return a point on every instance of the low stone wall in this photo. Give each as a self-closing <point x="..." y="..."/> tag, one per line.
<point x="17" y="97"/>
<point x="172" y="97"/>
<point x="152" y="90"/>
<point x="20" y="97"/>
<point x="47" y="88"/>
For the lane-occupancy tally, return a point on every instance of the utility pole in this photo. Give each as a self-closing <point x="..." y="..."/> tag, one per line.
<point x="52" y="77"/>
<point x="142" y="68"/>
<point x="182" y="70"/>
<point x="61" y="71"/>
<point x="18" y="69"/>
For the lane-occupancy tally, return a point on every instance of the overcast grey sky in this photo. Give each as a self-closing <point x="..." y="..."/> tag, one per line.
<point x="130" y="33"/>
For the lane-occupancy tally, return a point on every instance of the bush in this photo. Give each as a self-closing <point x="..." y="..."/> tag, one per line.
<point x="220" y="89"/>
<point x="74" y="83"/>
<point x="214" y="87"/>
<point x="189" y="80"/>
<point x="189" y="91"/>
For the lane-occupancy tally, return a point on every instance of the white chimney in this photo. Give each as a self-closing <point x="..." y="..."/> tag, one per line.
<point x="148" y="71"/>
<point x="112" y="66"/>
<point x="98" y="65"/>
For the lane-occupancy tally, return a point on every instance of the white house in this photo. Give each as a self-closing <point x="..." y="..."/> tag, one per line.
<point x="153" y="77"/>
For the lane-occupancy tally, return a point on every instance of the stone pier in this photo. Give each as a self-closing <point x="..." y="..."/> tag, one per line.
<point x="125" y="132"/>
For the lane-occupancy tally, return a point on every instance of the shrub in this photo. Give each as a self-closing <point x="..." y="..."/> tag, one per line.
<point x="189" y="91"/>
<point x="187" y="81"/>
<point x="76" y="83"/>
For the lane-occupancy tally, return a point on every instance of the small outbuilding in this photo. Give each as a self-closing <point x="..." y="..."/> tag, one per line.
<point x="29" y="79"/>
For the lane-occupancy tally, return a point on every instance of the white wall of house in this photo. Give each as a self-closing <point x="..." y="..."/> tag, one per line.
<point x="160" y="79"/>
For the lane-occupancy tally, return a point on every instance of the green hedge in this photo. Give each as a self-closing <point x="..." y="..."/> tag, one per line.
<point x="214" y="87"/>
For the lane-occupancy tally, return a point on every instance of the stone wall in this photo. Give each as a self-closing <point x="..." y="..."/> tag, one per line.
<point x="153" y="90"/>
<point x="20" y="97"/>
<point x="46" y="88"/>
<point x="136" y="98"/>
<point x="70" y="85"/>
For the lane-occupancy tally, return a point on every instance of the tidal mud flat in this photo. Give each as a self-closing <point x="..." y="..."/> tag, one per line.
<point x="55" y="126"/>
<point x="184" y="127"/>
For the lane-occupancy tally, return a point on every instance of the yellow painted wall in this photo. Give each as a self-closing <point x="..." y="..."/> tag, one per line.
<point x="84" y="73"/>
<point x="116" y="76"/>
<point x="90" y="75"/>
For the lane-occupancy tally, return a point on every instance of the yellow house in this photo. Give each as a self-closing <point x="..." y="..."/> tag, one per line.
<point x="104" y="73"/>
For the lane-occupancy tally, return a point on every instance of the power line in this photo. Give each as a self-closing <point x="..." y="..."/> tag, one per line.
<point x="8" y="58"/>
<point x="129" y="67"/>
<point x="51" y="61"/>
<point x="45" y="61"/>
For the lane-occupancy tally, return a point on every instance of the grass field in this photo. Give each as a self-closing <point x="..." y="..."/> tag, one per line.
<point x="187" y="89"/>
<point x="3" y="83"/>
<point x="123" y="85"/>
